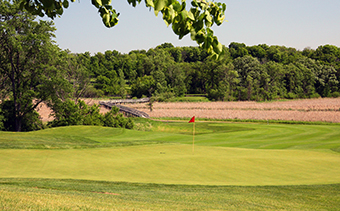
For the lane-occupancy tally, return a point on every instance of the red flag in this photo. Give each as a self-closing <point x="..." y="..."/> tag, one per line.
<point x="192" y="119"/>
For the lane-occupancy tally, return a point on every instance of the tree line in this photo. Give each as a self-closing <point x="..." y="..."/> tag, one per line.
<point x="259" y="72"/>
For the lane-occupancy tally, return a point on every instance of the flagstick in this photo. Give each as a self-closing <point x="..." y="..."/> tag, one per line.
<point x="193" y="139"/>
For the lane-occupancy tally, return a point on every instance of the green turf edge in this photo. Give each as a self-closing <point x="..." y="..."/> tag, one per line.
<point x="249" y="121"/>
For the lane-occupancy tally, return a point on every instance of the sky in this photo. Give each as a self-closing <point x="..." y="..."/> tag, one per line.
<point x="291" y="23"/>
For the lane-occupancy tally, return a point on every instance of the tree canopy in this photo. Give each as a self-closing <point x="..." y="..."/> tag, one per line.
<point x="27" y="55"/>
<point x="196" y="21"/>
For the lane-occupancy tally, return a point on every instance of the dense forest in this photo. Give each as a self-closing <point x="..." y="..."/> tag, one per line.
<point x="258" y="72"/>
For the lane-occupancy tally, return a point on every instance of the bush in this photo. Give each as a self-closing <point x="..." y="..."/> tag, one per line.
<point x="291" y="95"/>
<point x="70" y="113"/>
<point x="335" y="94"/>
<point x="314" y="95"/>
<point x="114" y="119"/>
<point x="164" y="96"/>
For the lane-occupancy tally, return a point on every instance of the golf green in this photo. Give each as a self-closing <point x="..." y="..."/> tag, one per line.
<point x="176" y="164"/>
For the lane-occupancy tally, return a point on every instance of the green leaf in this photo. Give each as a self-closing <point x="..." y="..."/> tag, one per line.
<point x="48" y="4"/>
<point x="106" y="2"/>
<point x="210" y="32"/>
<point x="208" y="19"/>
<point x="183" y="5"/>
<point x="167" y="16"/>
<point x="177" y="6"/>
<point x="176" y="28"/>
<point x="195" y="12"/>
<point x="184" y="14"/>
<point x="198" y="26"/>
<point x="97" y="3"/>
<point x="200" y="37"/>
<point x="106" y="20"/>
<point x="159" y="5"/>
<point x="224" y="7"/>
<point x="194" y="3"/>
<point x="191" y="16"/>
<point x="103" y="10"/>
<point x="214" y="56"/>
<point x="65" y="4"/>
<point x="217" y="46"/>
<point x="114" y="21"/>
<point x="149" y="3"/>
<point x="60" y="11"/>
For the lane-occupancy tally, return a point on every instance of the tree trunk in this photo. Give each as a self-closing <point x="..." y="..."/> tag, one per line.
<point x="18" y="123"/>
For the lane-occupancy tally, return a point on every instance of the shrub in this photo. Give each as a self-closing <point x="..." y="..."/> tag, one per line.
<point x="164" y="96"/>
<point x="314" y="95"/>
<point x="70" y="113"/>
<point x="115" y="119"/>
<point x="335" y="94"/>
<point x="291" y="95"/>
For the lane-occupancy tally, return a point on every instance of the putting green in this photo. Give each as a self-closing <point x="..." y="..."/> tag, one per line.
<point x="176" y="164"/>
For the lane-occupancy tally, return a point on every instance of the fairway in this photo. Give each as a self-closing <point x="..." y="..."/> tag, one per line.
<point x="225" y="154"/>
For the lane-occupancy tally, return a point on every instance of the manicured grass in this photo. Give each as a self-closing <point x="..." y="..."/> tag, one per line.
<point x="176" y="164"/>
<point x="43" y="194"/>
<point x="240" y="135"/>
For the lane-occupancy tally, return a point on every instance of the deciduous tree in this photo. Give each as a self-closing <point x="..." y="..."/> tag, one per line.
<point x="26" y="56"/>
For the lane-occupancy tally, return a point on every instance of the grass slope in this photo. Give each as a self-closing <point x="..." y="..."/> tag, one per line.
<point x="240" y="135"/>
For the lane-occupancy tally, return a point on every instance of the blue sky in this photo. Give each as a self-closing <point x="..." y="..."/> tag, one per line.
<point x="292" y="23"/>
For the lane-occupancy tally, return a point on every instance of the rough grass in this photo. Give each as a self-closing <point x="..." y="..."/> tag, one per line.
<point x="43" y="194"/>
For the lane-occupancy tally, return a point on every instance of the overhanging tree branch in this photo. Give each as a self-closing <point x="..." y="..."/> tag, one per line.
<point x="197" y="21"/>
